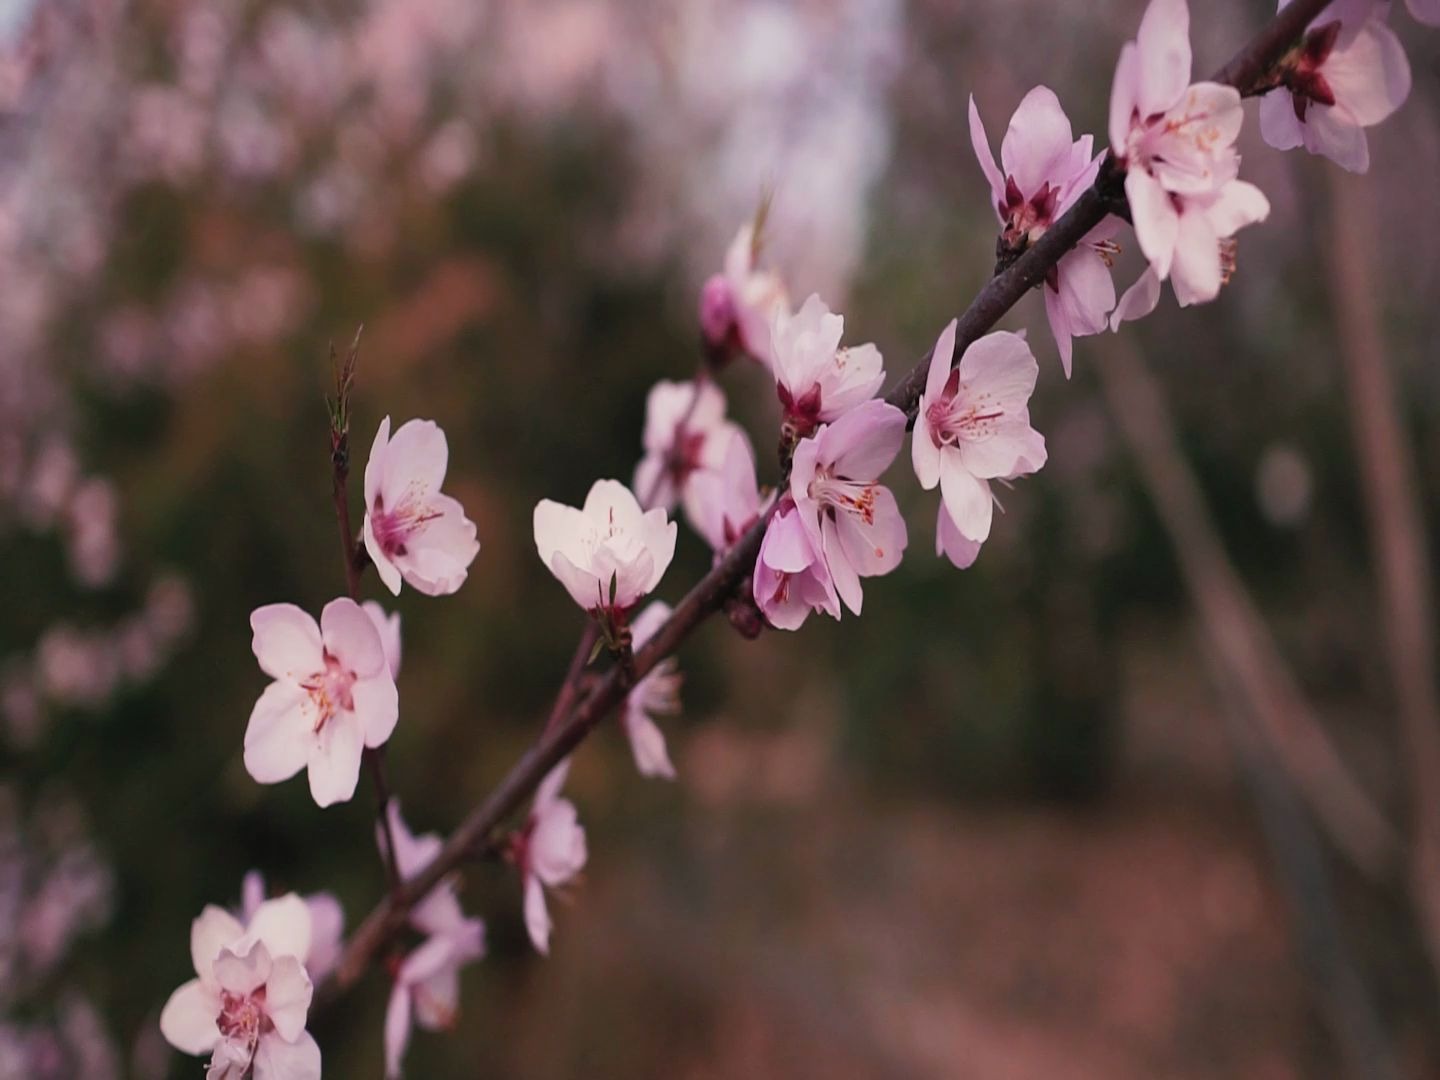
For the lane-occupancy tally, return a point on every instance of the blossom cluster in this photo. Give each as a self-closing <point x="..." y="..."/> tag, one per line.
<point x="830" y="521"/>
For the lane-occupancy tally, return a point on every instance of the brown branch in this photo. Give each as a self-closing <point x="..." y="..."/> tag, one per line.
<point x="715" y="588"/>
<point x="1397" y="532"/>
<point x="1237" y="636"/>
<point x="353" y="563"/>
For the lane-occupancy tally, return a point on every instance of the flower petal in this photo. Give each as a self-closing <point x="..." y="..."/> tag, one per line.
<point x="377" y="708"/>
<point x="351" y="638"/>
<point x="286" y="642"/>
<point x="280" y="732"/>
<point x="287" y="997"/>
<point x="276" y="1059"/>
<point x="188" y="1020"/>
<point x="334" y="760"/>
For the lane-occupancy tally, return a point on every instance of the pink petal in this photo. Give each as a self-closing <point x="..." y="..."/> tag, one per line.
<point x="188" y="1020"/>
<point x="439" y="553"/>
<point x="327" y="925"/>
<point x="415" y="463"/>
<point x="1238" y="205"/>
<point x="375" y="465"/>
<point x="950" y="543"/>
<point x="548" y="793"/>
<point x="1157" y="225"/>
<point x="1059" y="327"/>
<point x="787" y="545"/>
<point x="1139" y="300"/>
<point x="875" y="548"/>
<point x="966" y="498"/>
<point x="644" y="625"/>
<point x="1037" y="144"/>
<point x="437" y="1000"/>
<point x="377" y="708"/>
<point x="242" y="974"/>
<point x="980" y="142"/>
<point x="276" y="1059"/>
<point x="334" y="760"/>
<point x="842" y="573"/>
<point x="1163" y="50"/>
<point x="1123" y="103"/>
<point x="647" y="743"/>
<point x="557" y="843"/>
<point x="388" y="627"/>
<point x="397" y="1029"/>
<point x="942" y="357"/>
<point x="388" y="571"/>
<point x="1001" y="367"/>
<point x="1195" y="274"/>
<point x="1425" y="11"/>
<point x="1015" y="449"/>
<point x="283" y="924"/>
<point x="1332" y="133"/>
<point x="612" y="503"/>
<point x="924" y="454"/>
<point x="537" y="916"/>
<point x="1278" y="125"/>
<point x="286" y="642"/>
<point x="862" y="443"/>
<point x="584" y="588"/>
<point x="214" y="930"/>
<point x="351" y="638"/>
<point x="1371" y="77"/>
<point x="278" y="738"/>
<point x="287" y="997"/>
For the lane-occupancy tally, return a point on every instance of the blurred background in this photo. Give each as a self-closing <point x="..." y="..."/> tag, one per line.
<point x="1149" y="791"/>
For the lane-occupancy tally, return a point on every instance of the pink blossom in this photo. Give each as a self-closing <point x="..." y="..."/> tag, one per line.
<point x="738" y="306"/>
<point x="427" y="984"/>
<point x="327" y="924"/>
<point x="791" y="578"/>
<point x="1177" y="142"/>
<point x="608" y="554"/>
<point x="549" y="851"/>
<point x="248" y="1002"/>
<point x="657" y="693"/>
<point x="726" y="499"/>
<point x="851" y="519"/>
<point x="411" y="530"/>
<point x="388" y="627"/>
<point x="1045" y="171"/>
<point x="973" y="426"/>
<point x="685" y="430"/>
<point x="816" y="380"/>
<point x="333" y="695"/>
<point x="1205" y="258"/>
<point x="1348" y="74"/>
<point x="439" y="911"/>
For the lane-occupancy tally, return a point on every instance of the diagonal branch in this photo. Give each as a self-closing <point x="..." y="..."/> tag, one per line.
<point x="713" y="590"/>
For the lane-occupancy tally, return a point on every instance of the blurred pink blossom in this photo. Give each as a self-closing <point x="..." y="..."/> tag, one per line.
<point x="816" y="380"/>
<point x="550" y="851"/>
<point x="658" y="693"/>
<point x="685" y="431"/>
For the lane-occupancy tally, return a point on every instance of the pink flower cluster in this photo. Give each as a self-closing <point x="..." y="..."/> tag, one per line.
<point x="831" y="522"/>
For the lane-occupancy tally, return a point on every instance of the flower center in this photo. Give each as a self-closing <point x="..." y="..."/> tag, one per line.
<point x="1026" y="219"/>
<point x="961" y="413"/>
<point x="243" y="1017"/>
<point x="840" y="495"/>
<point x="330" y="690"/>
<point x="1302" y="75"/>
<point x="394" y="528"/>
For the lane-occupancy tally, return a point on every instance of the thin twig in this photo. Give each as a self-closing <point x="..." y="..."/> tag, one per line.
<point x="340" y="494"/>
<point x="1238" y="637"/>
<point x="1397" y="532"/>
<point x="712" y="591"/>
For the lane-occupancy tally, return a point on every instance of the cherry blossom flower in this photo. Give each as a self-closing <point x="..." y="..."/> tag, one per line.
<point x="327" y="923"/>
<point x="427" y="985"/>
<point x="657" y="693"/>
<point x="973" y="426"/>
<point x="1044" y="172"/>
<point x="248" y="1003"/>
<point x="1177" y="142"/>
<point x="852" y="519"/>
<point x="1207" y="225"/>
<point x="427" y="982"/>
<point x="333" y="696"/>
<point x="608" y="554"/>
<point x="549" y="851"/>
<point x="727" y="499"/>
<point x="685" y="430"/>
<point x="439" y="911"/>
<point x="388" y="627"/>
<point x="1349" y="73"/>
<point x="791" y="578"/>
<point x="738" y="306"/>
<point x="816" y="380"/>
<point x="411" y="530"/>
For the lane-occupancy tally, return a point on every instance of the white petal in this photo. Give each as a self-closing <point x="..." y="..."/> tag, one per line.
<point x="276" y="1059"/>
<point x="283" y="924"/>
<point x="351" y="638"/>
<point x="377" y="708"/>
<point x="214" y="930"/>
<point x="286" y="642"/>
<point x="287" y="997"/>
<point x="334" y="760"/>
<point x="280" y="733"/>
<point x="537" y="916"/>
